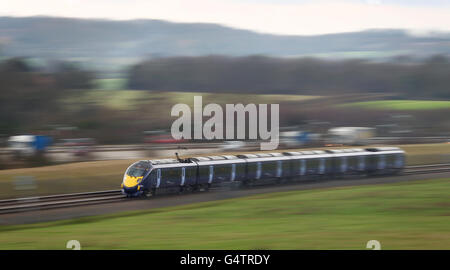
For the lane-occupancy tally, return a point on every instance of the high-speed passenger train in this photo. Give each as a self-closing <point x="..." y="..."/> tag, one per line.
<point x="146" y="177"/>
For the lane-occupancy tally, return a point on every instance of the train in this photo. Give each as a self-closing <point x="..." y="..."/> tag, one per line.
<point x="146" y="178"/>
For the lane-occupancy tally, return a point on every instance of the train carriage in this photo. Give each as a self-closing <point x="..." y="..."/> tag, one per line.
<point x="385" y="160"/>
<point x="266" y="167"/>
<point x="146" y="176"/>
<point x="214" y="170"/>
<point x="349" y="162"/>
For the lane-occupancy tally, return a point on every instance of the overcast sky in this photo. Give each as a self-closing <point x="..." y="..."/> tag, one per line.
<point x="295" y="17"/>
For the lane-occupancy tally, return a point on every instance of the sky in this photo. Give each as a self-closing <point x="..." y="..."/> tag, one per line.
<point x="284" y="17"/>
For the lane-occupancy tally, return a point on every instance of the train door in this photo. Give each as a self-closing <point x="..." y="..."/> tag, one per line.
<point x="303" y="167"/>
<point x="390" y="161"/>
<point x="233" y="172"/>
<point x="361" y="163"/>
<point x="399" y="162"/>
<point x="381" y="162"/>
<point x="158" y="178"/>
<point x="279" y="168"/>
<point x="322" y="166"/>
<point x="258" y="170"/>
<point x="183" y="176"/>
<point x="210" y="174"/>
<point x="352" y="164"/>
<point x="343" y="167"/>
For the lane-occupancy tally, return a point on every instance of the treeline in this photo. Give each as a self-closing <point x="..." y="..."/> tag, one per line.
<point x="429" y="78"/>
<point x="30" y="98"/>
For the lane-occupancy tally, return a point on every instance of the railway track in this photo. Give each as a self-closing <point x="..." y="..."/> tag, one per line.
<point x="59" y="201"/>
<point x="424" y="169"/>
<point x="108" y="196"/>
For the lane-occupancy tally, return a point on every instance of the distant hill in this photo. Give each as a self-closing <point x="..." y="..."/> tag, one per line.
<point x="122" y="42"/>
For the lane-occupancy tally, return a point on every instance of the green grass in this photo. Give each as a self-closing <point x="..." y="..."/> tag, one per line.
<point x="402" y="105"/>
<point x="110" y="84"/>
<point x="414" y="215"/>
<point x="117" y="99"/>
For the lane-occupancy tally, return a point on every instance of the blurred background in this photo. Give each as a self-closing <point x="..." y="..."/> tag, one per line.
<point x="87" y="88"/>
<point x="82" y="84"/>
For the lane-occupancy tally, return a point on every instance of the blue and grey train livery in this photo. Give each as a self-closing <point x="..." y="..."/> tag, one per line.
<point x="146" y="177"/>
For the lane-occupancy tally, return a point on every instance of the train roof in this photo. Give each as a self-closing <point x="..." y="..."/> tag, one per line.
<point x="214" y="160"/>
<point x="383" y="149"/>
<point x="226" y="159"/>
<point x="164" y="161"/>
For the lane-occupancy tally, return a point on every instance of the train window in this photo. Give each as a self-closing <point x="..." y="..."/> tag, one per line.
<point x="173" y="173"/>
<point x="352" y="163"/>
<point x="251" y="167"/>
<point x="372" y="162"/>
<point x="222" y="172"/>
<point x="328" y="165"/>
<point x="285" y="168"/>
<point x="203" y="174"/>
<point x="138" y="169"/>
<point x="381" y="162"/>
<point x="190" y="175"/>
<point x="269" y="168"/>
<point x="391" y="160"/>
<point x="399" y="161"/>
<point x="240" y="171"/>
<point x="312" y="166"/>
<point x="171" y="176"/>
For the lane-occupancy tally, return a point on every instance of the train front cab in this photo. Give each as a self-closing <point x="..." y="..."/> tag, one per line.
<point x="133" y="183"/>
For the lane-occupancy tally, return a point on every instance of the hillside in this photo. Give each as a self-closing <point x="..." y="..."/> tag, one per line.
<point x="122" y="42"/>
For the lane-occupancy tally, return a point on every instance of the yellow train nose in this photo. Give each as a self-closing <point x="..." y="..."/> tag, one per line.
<point x="131" y="181"/>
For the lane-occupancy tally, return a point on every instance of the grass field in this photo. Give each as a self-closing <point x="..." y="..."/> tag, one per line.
<point x="402" y="105"/>
<point x="109" y="96"/>
<point x="105" y="175"/>
<point x="414" y="215"/>
<point x="110" y="84"/>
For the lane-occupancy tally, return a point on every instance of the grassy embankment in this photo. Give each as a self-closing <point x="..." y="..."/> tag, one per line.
<point x="408" y="215"/>
<point x="401" y="105"/>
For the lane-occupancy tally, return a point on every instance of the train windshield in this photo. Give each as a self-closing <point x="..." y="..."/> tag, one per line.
<point x="138" y="169"/>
